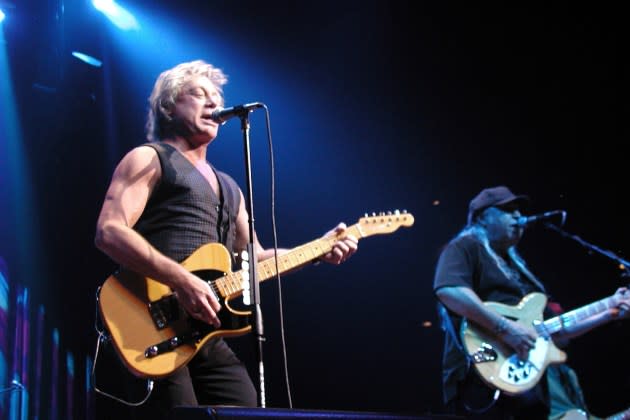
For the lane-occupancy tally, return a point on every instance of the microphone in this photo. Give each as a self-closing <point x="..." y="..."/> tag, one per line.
<point x="221" y="115"/>
<point x="526" y="221"/>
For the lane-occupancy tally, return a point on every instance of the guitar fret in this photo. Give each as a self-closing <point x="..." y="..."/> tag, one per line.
<point x="265" y="270"/>
<point x="291" y="261"/>
<point x="236" y="283"/>
<point x="215" y="288"/>
<point x="553" y="325"/>
<point x="229" y="284"/>
<point x="219" y="285"/>
<point x="588" y="310"/>
<point x="573" y="317"/>
<point x="315" y="252"/>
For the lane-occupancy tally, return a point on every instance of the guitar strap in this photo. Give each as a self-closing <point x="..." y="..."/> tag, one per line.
<point x="520" y="265"/>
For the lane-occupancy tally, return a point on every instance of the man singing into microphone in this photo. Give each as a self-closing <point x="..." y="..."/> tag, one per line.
<point x="481" y="264"/>
<point x="166" y="200"/>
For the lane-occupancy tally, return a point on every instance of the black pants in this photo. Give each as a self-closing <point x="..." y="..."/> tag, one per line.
<point x="214" y="376"/>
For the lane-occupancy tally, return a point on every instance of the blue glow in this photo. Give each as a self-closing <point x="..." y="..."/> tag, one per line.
<point x="70" y="363"/>
<point x="15" y="177"/>
<point x="2" y="15"/>
<point x="88" y="59"/>
<point x="88" y="373"/>
<point x="118" y="15"/>
<point x="161" y="44"/>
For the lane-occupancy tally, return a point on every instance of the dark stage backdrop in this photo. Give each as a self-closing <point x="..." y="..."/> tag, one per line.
<point x="374" y="106"/>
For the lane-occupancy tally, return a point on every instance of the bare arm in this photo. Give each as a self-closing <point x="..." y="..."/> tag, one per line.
<point x="465" y="302"/>
<point x="130" y="188"/>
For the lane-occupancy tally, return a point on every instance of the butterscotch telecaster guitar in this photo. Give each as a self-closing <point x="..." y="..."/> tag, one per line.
<point x="152" y="333"/>
<point x="500" y="367"/>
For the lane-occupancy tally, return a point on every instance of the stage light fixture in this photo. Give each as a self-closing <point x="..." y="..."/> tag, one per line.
<point x="5" y="7"/>
<point x="88" y="59"/>
<point x="118" y="15"/>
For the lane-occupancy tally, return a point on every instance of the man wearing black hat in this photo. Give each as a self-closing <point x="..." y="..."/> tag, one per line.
<point x="479" y="265"/>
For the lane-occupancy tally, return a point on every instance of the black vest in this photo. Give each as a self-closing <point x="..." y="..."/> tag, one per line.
<point x="183" y="211"/>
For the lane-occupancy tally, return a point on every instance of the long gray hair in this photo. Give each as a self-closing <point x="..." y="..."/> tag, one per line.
<point x="479" y="233"/>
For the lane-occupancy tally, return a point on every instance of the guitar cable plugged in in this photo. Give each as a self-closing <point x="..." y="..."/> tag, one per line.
<point x="103" y="338"/>
<point x="495" y="397"/>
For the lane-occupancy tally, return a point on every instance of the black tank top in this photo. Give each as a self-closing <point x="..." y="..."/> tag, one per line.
<point x="183" y="211"/>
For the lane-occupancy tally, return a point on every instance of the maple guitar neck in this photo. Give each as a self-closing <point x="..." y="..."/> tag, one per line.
<point x="568" y="319"/>
<point x="232" y="284"/>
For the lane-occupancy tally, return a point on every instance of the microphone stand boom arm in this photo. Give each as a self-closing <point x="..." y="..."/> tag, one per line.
<point x="625" y="265"/>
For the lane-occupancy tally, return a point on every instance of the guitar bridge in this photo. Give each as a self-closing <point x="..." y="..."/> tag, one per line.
<point x="173" y="342"/>
<point x="485" y="353"/>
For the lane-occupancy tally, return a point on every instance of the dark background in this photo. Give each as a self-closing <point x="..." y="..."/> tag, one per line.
<point x="374" y="106"/>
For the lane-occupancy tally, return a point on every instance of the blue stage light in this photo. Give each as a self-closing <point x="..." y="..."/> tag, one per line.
<point x="87" y="59"/>
<point x="2" y="15"/>
<point x="117" y="14"/>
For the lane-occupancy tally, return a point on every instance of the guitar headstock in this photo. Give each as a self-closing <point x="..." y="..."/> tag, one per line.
<point x="384" y="222"/>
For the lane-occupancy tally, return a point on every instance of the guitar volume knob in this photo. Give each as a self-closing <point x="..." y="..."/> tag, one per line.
<point x="151" y="351"/>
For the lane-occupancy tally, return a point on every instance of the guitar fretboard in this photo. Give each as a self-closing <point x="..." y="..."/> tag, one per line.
<point x="232" y="283"/>
<point x="570" y="318"/>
